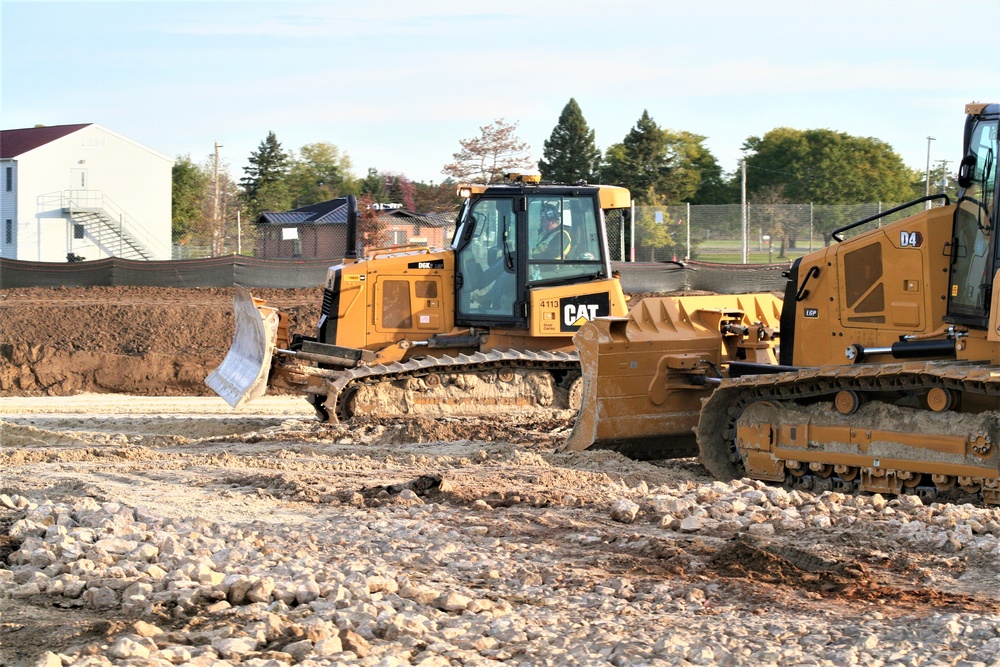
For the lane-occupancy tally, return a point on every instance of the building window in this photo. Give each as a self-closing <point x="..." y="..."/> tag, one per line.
<point x="8" y="232"/>
<point x="78" y="231"/>
<point x="9" y="179"/>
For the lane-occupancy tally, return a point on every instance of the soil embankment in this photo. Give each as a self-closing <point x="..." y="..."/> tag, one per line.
<point x="137" y="340"/>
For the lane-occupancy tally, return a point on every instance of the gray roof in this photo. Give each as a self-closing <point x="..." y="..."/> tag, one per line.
<point x="330" y="211"/>
<point x="334" y="211"/>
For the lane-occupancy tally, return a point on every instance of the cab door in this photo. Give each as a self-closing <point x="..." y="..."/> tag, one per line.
<point x="489" y="282"/>
<point x="975" y="251"/>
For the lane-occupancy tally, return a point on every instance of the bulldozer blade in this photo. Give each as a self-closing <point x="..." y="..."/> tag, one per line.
<point x="645" y="376"/>
<point x="242" y="376"/>
<point x="616" y="412"/>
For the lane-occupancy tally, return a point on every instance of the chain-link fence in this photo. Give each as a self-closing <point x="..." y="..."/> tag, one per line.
<point x="772" y="233"/>
<point x="315" y="232"/>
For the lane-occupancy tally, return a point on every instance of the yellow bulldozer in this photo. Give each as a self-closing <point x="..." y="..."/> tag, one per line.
<point x="484" y="326"/>
<point x="879" y="370"/>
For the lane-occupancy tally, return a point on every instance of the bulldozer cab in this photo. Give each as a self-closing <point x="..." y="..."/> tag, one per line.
<point x="511" y="238"/>
<point x="974" y="250"/>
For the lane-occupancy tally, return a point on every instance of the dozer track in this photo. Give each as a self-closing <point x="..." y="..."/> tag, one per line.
<point x="914" y="427"/>
<point x="495" y="382"/>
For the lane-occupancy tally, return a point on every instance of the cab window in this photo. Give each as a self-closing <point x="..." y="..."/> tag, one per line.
<point x="563" y="241"/>
<point x="488" y="263"/>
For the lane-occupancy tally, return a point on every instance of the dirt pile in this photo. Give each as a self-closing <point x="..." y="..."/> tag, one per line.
<point x="136" y="340"/>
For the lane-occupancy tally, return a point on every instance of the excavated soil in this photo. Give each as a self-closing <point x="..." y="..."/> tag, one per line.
<point x="149" y="341"/>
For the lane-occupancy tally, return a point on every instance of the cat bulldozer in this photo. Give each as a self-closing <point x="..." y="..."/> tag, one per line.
<point x="484" y="326"/>
<point x="878" y="371"/>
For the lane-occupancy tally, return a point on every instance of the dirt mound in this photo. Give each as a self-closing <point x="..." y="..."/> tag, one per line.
<point x="136" y="340"/>
<point x="147" y="341"/>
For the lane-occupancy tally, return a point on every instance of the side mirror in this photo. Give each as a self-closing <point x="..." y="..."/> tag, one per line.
<point x="965" y="171"/>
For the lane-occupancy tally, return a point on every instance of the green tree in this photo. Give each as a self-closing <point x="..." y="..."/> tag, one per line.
<point x="436" y="197"/>
<point x="264" y="186"/>
<point x="775" y="218"/>
<point x="486" y="158"/>
<point x="372" y="186"/>
<point x="826" y="167"/>
<point x="657" y="243"/>
<point x="319" y="173"/>
<point x="662" y="166"/>
<point x="714" y="186"/>
<point x="690" y="165"/>
<point x="941" y="181"/>
<point x="640" y="162"/>
<point x="188" y="198"/>
<point x="569" y="154"/>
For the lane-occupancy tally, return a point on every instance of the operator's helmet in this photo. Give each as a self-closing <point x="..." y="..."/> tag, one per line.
<point x="549" y="213"/>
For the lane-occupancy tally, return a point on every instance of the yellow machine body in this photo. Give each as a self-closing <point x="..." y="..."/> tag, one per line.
<point x="527" y="268"/>
<point x="887" y="370"/>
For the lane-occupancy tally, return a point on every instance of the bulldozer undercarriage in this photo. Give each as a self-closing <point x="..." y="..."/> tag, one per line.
<point x="917" y="428"/>
<point x="496" y="382"/>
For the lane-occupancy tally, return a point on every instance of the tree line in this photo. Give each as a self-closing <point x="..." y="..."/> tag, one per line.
<point x="660" y="166"/>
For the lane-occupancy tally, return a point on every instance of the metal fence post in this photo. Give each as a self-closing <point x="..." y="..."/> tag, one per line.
<point x="621" y="233"/>
<point x="687" y="257"/>
<point x="631" y="242"/>
<point x="743" y="215"/>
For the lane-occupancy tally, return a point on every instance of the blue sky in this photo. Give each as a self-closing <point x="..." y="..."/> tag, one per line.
<point x="397" y="84"/>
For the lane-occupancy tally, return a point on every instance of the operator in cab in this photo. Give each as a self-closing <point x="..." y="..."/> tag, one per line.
<point x="553" y="241"/>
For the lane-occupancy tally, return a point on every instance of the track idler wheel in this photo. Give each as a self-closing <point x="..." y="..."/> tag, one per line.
<point x="940" y="399"/>
<point x="847" y="401"/>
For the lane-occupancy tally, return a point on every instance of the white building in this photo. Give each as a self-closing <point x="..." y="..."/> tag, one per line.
<point x="82" y="192"/>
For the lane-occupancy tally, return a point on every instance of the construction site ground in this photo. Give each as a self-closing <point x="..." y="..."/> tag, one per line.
<point x="143" y="521"/>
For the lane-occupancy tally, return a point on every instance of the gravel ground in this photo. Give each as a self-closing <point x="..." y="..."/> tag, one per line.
<point x="166" y="531"/>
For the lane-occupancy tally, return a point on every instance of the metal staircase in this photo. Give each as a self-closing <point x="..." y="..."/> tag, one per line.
<point x="108" y="234"/>
<point x="108" y="227"/>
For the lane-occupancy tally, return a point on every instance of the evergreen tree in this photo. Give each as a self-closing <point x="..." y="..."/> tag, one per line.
<point x="372" y="186"/>
<point x="663" y="167"/>
<point x="640" y="162"/>
<point x="569" y="155"/>
<point x="264" y="186"/>
<point x="399" y="190"/>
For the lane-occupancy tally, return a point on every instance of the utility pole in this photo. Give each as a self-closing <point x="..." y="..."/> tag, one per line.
<point x="927" y="173"/>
